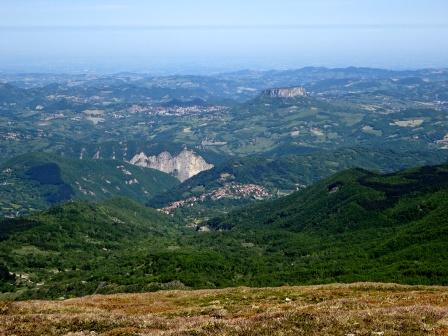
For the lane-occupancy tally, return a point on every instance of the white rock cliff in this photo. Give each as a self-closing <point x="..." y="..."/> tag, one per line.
<point x="183" y="166"/>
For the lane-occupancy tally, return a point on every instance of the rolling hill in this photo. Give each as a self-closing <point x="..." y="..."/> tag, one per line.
<point x="38" y="180"/>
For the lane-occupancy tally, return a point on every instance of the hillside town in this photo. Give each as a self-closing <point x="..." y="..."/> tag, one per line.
<point x="230" y="191"/>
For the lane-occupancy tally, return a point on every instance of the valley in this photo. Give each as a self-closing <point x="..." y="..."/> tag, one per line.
<point x="129" y="183"/>
<point x="223" y="168"/>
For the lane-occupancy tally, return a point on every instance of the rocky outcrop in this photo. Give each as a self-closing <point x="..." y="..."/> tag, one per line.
<point x="291" y="92"/>
<point x="183" y="166"/>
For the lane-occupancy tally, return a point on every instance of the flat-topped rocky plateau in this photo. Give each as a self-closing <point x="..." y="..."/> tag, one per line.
<point x="338" y="309"/>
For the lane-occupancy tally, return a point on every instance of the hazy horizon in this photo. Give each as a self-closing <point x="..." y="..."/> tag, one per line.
<point x="200" y="37"/>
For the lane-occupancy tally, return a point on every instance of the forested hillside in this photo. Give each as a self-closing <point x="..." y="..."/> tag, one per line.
<point x="36" y="181"/>
<point x="354" y="226"/>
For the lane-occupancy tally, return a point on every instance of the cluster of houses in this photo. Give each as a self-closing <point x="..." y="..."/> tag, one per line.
<point x="231" y="190"/>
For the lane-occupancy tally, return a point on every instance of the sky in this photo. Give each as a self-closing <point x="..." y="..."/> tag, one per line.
<point x="197" y="36"/>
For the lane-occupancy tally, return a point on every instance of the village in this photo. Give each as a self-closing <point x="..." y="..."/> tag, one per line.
<point x="231" y="190"/>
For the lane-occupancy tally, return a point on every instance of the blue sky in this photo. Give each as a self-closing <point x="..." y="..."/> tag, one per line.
<point x="199" y="35"/>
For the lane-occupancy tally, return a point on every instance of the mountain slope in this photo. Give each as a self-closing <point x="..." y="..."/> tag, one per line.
<point x="73" y="248"/>
<point x="36" y="181"/>
<point x="354" y="226"/>
<point x="352" y="197"/>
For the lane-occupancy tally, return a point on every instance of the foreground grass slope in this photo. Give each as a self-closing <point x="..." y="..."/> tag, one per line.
<point x="357" y="309"/>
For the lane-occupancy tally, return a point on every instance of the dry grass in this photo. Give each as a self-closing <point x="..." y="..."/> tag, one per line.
<point x="357" y="309"/>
